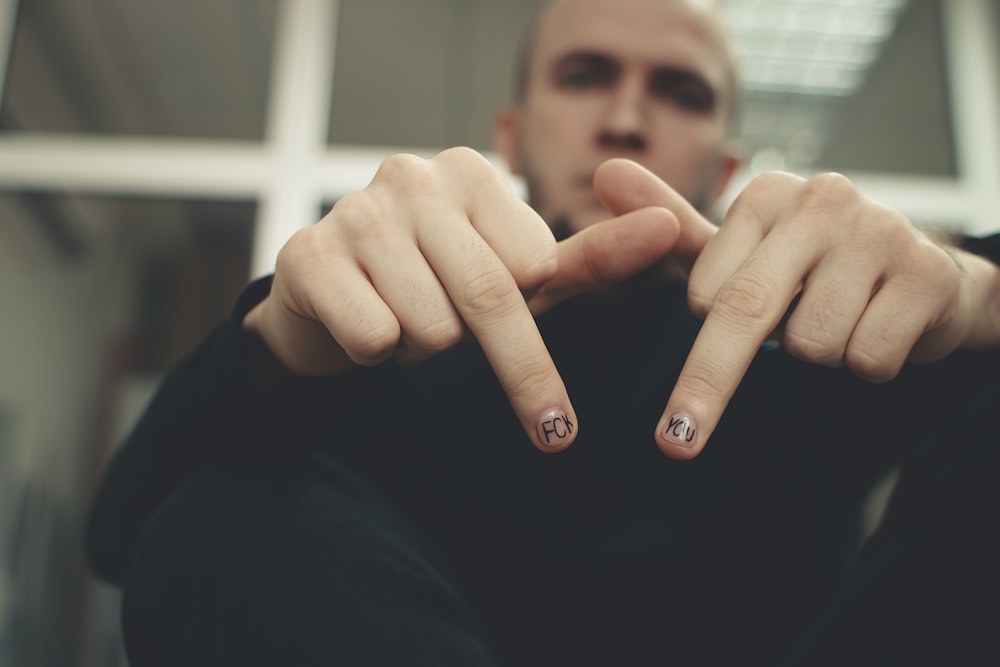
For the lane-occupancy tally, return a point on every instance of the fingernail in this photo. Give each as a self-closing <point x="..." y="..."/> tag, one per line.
<point x="555" y="428"/>
<point x="681" y="430"/>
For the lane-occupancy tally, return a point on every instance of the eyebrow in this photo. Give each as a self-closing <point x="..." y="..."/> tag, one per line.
<point x="680" y="76"/>
<point x="584" y="57"/>
<point x="590" y="59"/>
<point x="660" y="73"/>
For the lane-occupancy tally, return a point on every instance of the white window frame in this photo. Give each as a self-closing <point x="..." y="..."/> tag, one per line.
<point x="294" y="170"/>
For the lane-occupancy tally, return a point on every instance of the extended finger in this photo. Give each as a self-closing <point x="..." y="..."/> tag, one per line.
<point x="607" y="253"/>
<point x="746" y="309"/>
<point x="750" y="218"/>
<point x="515" y="232"/>
<point x="490" y="302"/>
<point x="624" y="186"/>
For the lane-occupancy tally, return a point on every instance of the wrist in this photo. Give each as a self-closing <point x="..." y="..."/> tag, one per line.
<point x="982" y="285"/>
<point x="262" y="365"/>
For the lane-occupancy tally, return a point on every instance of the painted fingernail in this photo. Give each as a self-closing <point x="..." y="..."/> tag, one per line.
<point x="681" y="429"/>
<point x="555" y="428"/>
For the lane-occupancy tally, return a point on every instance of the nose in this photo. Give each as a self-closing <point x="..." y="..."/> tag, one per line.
<point x="624" y="127"/>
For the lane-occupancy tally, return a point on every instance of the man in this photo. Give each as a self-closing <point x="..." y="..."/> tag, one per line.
<point x="335" y="476"/>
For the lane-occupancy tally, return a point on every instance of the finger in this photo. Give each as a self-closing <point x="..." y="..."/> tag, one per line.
<point x="623" y="186"/>
<point x="515" y="232"/>
<point x="894" y="320"/>
<point x="834" y="298"/>
<point x="490" y="302"/>
<point x="746" y="309"/>
<point x="314" y="330"/>
<point x="402" y="278"/>
<point x="608" y="253"/>
<point x="355" y="315"/>
<point x="750" y="218"/>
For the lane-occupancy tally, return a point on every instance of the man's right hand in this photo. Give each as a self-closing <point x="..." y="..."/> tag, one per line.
<point x="433" y="249"/>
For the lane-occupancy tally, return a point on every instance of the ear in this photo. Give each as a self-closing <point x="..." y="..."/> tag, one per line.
<point x="731" y="160"/>
<point x="506" y="138"/>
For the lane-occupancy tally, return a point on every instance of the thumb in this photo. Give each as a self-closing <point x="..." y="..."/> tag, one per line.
<point x="623" y="185"/>
<point x="607" y="253"/>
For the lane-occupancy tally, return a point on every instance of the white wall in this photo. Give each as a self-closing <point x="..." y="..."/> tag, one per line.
<point x="58" y="320"/>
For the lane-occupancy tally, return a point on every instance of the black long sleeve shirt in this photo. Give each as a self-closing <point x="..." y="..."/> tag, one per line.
<point x="771" y="505"/>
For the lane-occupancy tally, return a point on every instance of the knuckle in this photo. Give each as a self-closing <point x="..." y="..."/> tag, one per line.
<point x="536" y="265"/>
<point x="702" y="380"/>
<point x="829" y="188"/>
<point x="893" y="231"/>
<point x="408" y="175"/>
<point x="742" y="298"/>
<point x="933" y="260"/>
<point x="461" y="155"/>
<point x="529" y="378"/>
<point x="473" y="168"/>
<point x="826" y="194"/>
<point x="814" y="346"/>
<point x="358" y="213"/>
<point x="930" y="275"/>
<point x="402" y="165"/>
<point x="439" y="336"/>
<point x="820" y="197"/>
<point x="301" y="250"/>
<point x="870" y="366"/>
<point x="756" y="196"/>
<point x="766" y="183"/>
<point x="373" y="345"/>
<point x="699" y="301"/>
<point x="487" y="292"/>
<point x="297" y="245"/>
<point x="468" y="162"/>
<point x="829" y="185"/>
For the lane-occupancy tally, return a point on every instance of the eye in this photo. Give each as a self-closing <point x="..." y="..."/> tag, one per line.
<point x="581" y="72"/>
<point x="696" y="100"/>
<point x="578" y="79"/>
<point x="684" y="89"/>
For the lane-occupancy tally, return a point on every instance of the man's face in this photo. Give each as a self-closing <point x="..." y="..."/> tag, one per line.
<point x="648" y="80"/>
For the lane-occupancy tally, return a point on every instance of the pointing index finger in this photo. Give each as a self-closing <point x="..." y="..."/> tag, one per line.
<point x="490" y="303"/>
<point x="747" y="308"/>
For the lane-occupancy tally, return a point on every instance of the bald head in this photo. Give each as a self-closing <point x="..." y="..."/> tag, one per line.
<point x="702" y="16"/>
<point x="647" y="80"/>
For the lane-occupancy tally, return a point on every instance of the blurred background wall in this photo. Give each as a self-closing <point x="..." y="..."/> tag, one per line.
<point x="154" y="156"/>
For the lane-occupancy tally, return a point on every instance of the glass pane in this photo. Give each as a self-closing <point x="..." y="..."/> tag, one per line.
<point x="899" y="122"/>
<point x="892" y="112"/>
<point x="101" y="296"/>
<point x="428" y="74"/>
<point x="141" y="67"/>
<point x="433" y="74"/>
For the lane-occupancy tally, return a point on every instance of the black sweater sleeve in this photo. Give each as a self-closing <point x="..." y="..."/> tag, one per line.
<point x="207" y="411"/>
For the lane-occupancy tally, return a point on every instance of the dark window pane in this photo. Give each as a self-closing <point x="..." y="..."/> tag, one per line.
<point x="899" y="122"/>
<point x="142" y="67"/>
<point x="426" y="74"/>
